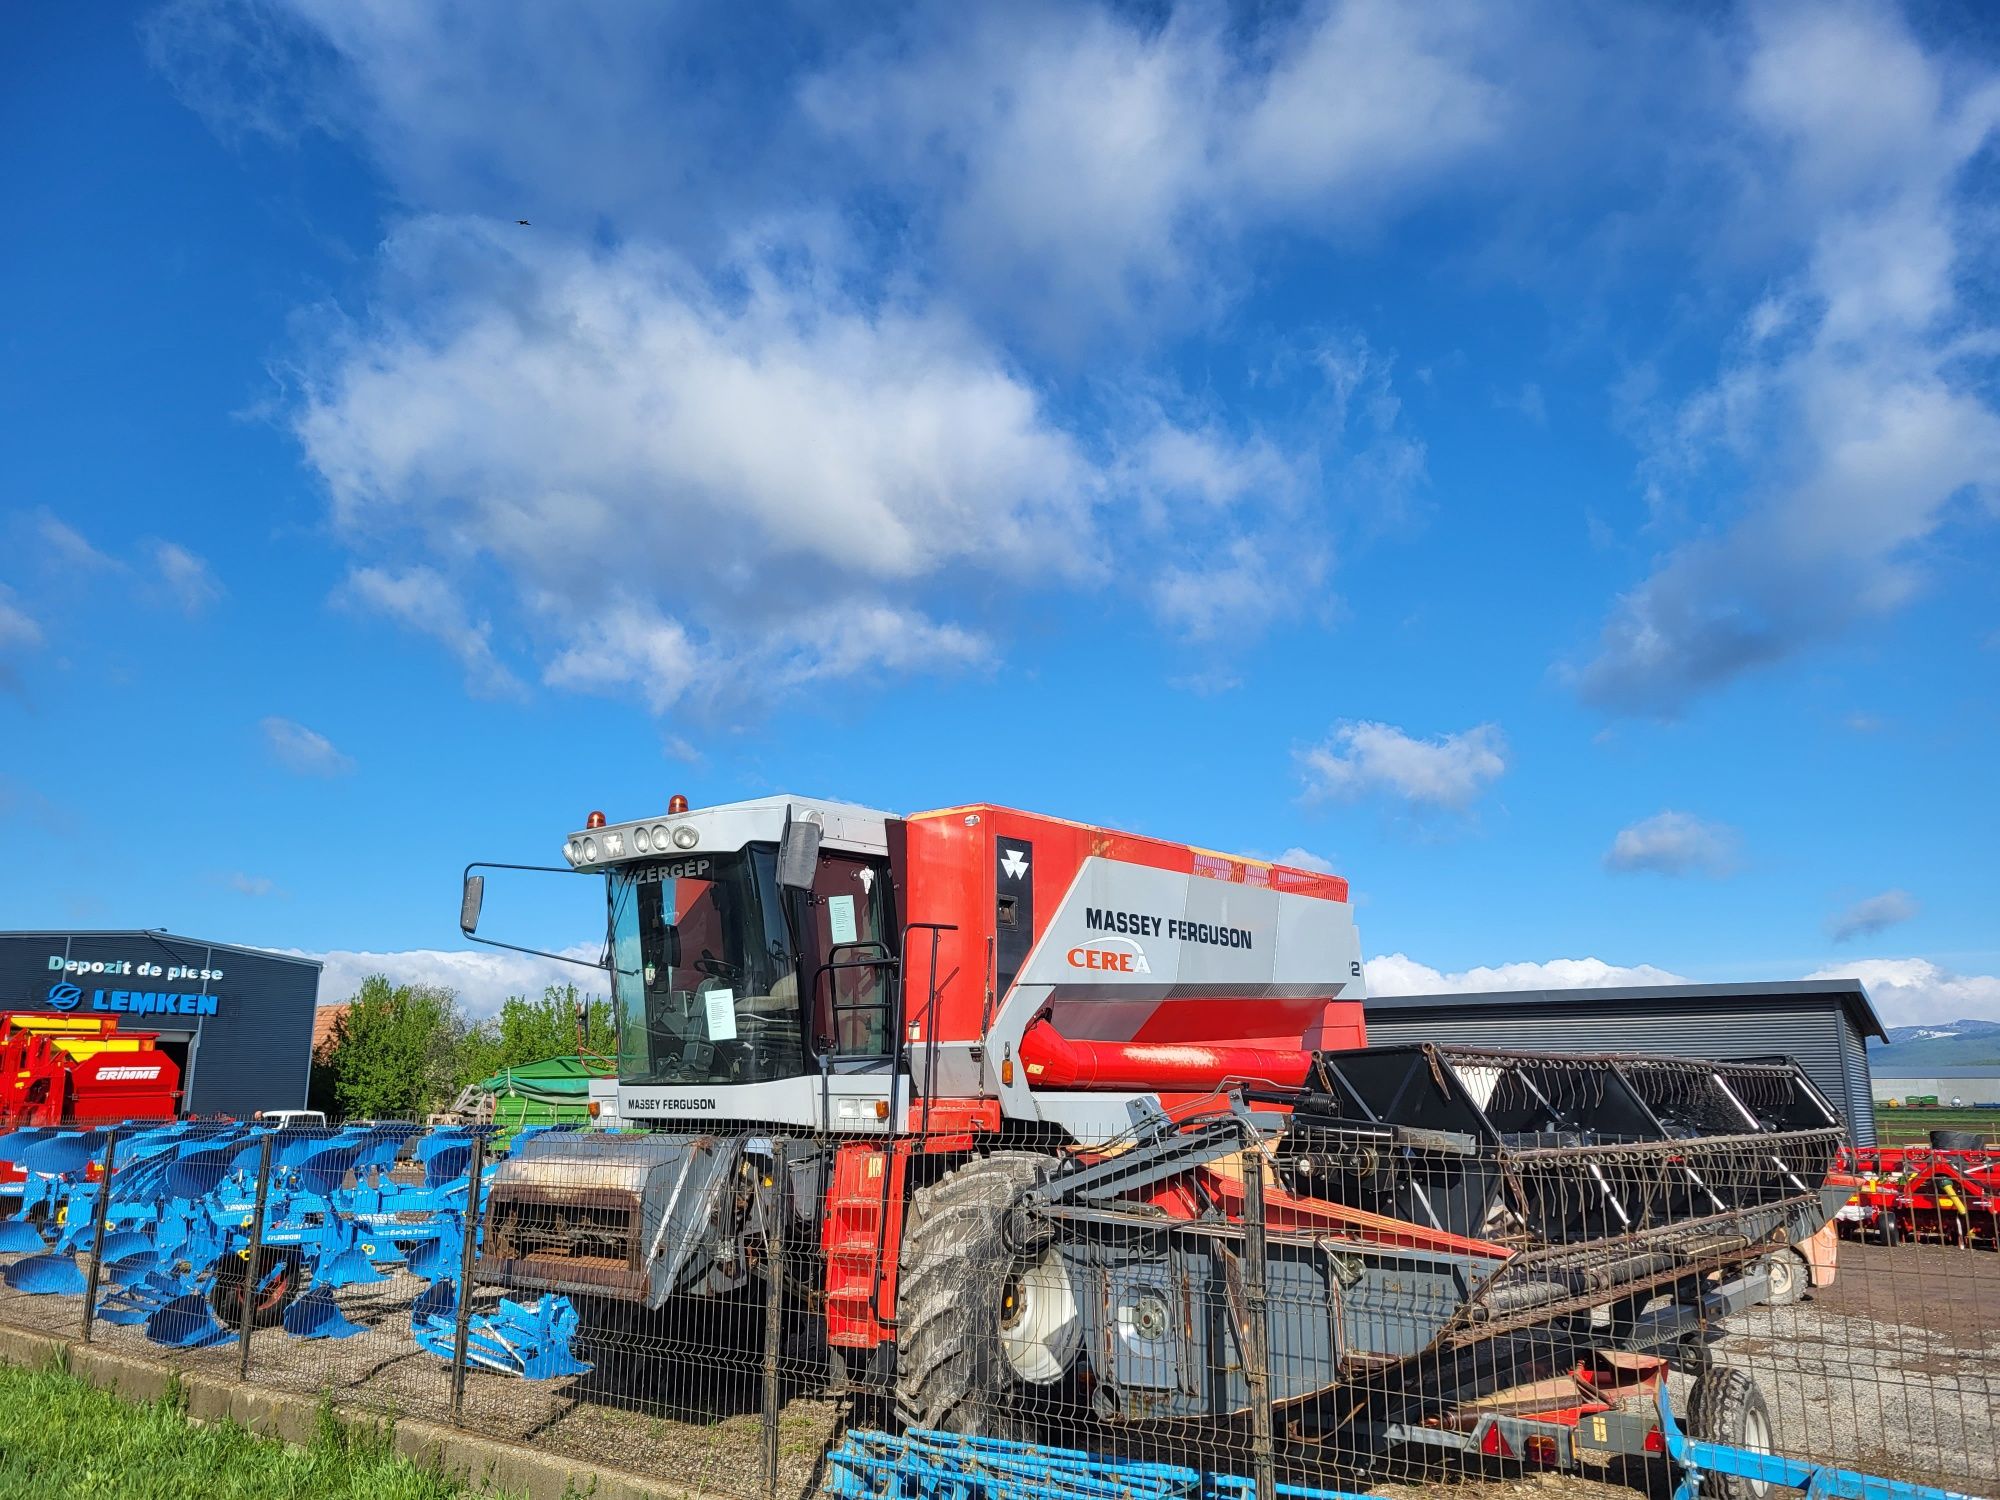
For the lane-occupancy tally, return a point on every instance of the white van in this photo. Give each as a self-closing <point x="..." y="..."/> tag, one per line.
<point x="289" y="1119"/>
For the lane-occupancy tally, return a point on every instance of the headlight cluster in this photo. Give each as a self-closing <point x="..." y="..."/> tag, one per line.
<point x="659" y="838"/>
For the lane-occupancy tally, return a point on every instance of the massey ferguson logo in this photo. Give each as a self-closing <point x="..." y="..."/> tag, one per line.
<point x="1117" y="956"/>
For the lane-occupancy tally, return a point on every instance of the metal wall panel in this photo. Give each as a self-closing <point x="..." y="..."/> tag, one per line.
<point x="257" y="1052"/>
<point x="254" y="1053"/>
<point x="1811" y="1033"/>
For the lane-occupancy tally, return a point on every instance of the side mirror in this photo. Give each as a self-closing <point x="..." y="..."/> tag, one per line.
<point x="798" y="855"/>
<point x="469" y="904"/>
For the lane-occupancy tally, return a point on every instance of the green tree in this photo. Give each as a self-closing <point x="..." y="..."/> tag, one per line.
<point x="396" y="1050"/>
<point x="528" y="1031"/>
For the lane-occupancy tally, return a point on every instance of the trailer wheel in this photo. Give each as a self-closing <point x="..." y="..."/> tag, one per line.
<point x="1786" y="1271"/>
<point x="1892" y="1228"/>
<point x="982" y="1320"/>
<point x="1726" y="1407"/>
<point x="280" y="1274"/>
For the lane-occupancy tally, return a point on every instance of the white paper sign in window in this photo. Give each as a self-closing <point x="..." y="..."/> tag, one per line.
<point x="840" y="918"/>
<point x="721" y="1015"/>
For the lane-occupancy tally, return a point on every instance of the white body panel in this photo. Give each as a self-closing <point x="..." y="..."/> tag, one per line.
<point x="846" y="1105"/>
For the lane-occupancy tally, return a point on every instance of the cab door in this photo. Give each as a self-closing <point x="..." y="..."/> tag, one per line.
<point x="850" y="938"/>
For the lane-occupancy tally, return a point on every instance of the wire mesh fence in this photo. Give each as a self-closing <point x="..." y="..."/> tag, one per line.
<point x="1267" y="1290"/>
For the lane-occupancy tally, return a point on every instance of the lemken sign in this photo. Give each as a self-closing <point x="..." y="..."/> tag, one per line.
<point x="66" y="995"/>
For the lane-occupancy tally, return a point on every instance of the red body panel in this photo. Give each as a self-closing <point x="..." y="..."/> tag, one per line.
<point x="951" y="860"/>
<point x="42" y="1083"/>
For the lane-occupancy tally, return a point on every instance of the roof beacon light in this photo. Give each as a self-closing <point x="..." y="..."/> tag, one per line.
<point x="595" y="820"/>
<point x="676" y="804"/>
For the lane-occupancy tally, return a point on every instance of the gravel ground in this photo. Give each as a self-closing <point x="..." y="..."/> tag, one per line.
<point x="1894" y="1370"/>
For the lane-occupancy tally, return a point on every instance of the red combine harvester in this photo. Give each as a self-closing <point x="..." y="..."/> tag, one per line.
<point x="1017" y="1101"/>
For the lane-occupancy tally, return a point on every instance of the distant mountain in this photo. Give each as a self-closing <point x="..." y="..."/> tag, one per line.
<point x="1913" y="1051"/>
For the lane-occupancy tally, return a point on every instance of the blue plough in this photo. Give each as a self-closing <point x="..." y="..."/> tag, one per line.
<point x="182" y="1205"/>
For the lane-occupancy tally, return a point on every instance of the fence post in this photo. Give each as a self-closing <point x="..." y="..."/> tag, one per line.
<point x="774" y="1314"/>
<point x="253" y="1271"/>
<point x="1256" y="1336"/>
<point x="475" y="1171"/>
<point x="97" y="1232"/>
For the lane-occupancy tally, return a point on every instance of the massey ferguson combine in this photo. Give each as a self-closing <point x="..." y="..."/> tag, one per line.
<point x="1038" y="1117"/>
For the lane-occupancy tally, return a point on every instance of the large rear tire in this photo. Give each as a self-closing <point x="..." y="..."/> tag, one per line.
<point x="983" y="1320"/>
<point x="1726" y="1407"/>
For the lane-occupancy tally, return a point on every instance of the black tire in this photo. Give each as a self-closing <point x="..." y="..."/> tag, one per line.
<point x="1892" y="1228"/>
<point x="280" y="1278"/>
<point x="1726" y="1407"/>
<point x="1957" y="1140"/>
<point x="957" y="1268"/>
<point x="1789" y="1277"/>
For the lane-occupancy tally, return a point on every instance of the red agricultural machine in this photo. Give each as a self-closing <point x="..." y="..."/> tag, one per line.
<point x="58" y="1069"/>
<point x="1041" y="1118"/>
<point x="1943" y="1195"/>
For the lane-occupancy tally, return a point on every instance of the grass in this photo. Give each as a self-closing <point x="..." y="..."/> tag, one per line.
<point x="60" y="1436"/>
<point x="1913" y="1127"/>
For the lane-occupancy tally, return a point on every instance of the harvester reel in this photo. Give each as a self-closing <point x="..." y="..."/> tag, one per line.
<point x="982" y="1320"/>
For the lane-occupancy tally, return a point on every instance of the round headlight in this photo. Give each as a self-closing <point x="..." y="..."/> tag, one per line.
<point x="590" y="851"/>
<point x="569" y="850"/>
<point x="661" y="839"/>
<point x="685" y="837"/>
<point x="642" y="840"/>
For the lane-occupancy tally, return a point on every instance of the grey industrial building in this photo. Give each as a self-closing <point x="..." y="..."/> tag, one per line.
<point x="1824" y="1023"/>
<point x="238" y="1021"/>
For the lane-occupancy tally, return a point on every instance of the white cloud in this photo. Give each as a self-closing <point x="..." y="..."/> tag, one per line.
<point x="252" y="885"/>
<point x="1871" y="915"/>
<point x="1854" y="403"/>
<point x="187" y="578"/>
<point x="18" y="630"/>
<point x="422" y="599"/>
<point x="482" y="979"/>
<point x="1305" y="859"/>
<point x="1077" y="164"/>
<point x="1673" y="843"/>
<point x="687" y="490"/>
<point x="1915" y="991"/>
<point x="1445" y="771"/>
<point x="66" y="548"/>
<point x="676" y="480"/>
<point x="304" y="750"/>
<point x="1397" y="974"/>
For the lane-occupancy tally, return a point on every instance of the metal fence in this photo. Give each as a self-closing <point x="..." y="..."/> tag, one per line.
<point x="1228" y="1306"/>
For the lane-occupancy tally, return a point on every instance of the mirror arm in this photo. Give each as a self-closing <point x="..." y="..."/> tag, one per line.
<point x="561" y="958"/>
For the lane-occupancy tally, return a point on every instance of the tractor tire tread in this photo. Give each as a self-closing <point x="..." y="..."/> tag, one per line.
<point x="952" y="1233"/>
<point x="1718" y="1408"/>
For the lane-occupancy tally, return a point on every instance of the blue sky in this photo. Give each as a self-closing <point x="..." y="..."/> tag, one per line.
<point x="1539" y="460"/>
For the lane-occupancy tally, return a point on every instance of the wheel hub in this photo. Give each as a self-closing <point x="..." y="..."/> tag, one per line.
<point x="1040" y="1327"/>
